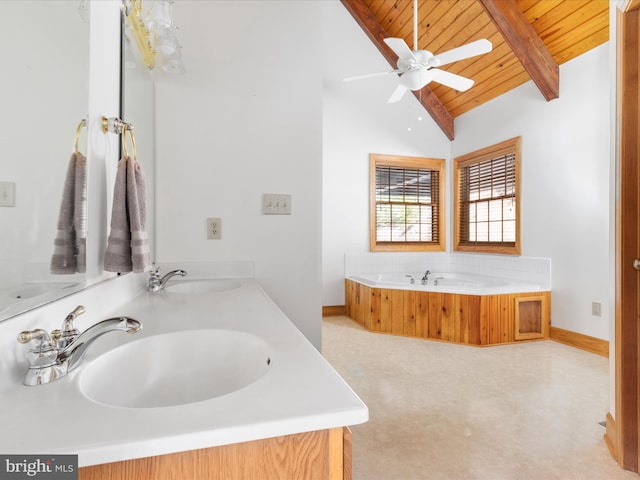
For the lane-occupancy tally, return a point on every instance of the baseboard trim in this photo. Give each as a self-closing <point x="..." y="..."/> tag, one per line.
<point x="610" y="437"/>
<point x="579" y="340"/>
<point x="334" y="310"/>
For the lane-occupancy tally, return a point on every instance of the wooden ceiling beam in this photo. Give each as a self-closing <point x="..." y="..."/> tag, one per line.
<point x="376" y="33"/>
<point x="526" y="45"/>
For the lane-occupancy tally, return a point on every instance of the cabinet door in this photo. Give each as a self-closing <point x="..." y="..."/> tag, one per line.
<point x="529" y="317"/>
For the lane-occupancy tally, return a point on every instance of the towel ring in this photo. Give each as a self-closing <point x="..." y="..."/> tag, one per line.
<point x="83" y="123"/>
<point x="133" y="142"/>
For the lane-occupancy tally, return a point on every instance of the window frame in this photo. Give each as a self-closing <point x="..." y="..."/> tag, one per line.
<point x="398" y="161"/>
<point x="507" y="147"/>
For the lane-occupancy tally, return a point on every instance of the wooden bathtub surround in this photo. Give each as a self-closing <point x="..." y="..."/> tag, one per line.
<point x="457" y="318"/>
<point x="322" y="455"/>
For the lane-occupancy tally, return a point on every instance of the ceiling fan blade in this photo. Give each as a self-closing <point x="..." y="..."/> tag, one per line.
<point x="399" y="47"/>
<point x="451" y="80"/>
<point x="367" y="75"/>
<point x="460" y="53"/>
<point x="397" y="94"/>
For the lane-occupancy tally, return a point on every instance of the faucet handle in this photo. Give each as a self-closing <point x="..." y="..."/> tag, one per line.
<point x="69" y="331"/>
<point x="68" y="325"/>
<point x="79" y="310"/>
<point x="44" y="353"/>
<point x="42" y="336"/>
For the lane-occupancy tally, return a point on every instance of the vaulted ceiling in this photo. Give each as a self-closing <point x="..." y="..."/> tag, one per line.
<point x="530" y="39"/>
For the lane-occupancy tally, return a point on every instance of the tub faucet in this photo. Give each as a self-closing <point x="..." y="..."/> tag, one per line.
<point x="156" y="283"/>
<point x="54" y="355"/>
<point x="425" y="277"/>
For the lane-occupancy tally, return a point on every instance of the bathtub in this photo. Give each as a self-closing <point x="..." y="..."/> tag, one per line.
<point x="452" y="307"/>
<point x="445" y="282"/>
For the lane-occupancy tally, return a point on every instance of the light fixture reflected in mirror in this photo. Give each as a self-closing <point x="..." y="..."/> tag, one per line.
<point x="155" y="34"/>
<point x="83" y="10"/>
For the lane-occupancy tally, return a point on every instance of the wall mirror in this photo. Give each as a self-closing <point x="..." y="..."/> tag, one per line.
<point x="45" y="52"/>
<point x="137" y="108"/>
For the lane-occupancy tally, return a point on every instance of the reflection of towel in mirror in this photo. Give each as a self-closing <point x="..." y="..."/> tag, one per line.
<point x="70" y="242"/>
<point x="80" y="213"/>
<point x="128" y="243"/>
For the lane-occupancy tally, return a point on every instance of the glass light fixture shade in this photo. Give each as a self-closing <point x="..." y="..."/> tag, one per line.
<point x="161" y="14"/>
<point x="166" y="42"/>
<point x="83" y="10"/>
<point x="174" y="66"/>
<point x="163" y="38"/>
<point x="416" y="79"/>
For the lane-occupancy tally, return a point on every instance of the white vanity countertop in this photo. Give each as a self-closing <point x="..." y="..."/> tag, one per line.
<point x="301" y="392"/>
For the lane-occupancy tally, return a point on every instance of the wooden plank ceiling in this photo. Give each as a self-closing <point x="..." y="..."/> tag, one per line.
<point x="530" y="39"/>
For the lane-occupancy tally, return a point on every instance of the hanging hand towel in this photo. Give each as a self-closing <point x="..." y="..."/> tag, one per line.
<point x="80" y="213"/>
<point x="117" y="258"/>
<point x="137" y="207"/>
<point x="71" y="220"/>
<point x="128" y="243"/>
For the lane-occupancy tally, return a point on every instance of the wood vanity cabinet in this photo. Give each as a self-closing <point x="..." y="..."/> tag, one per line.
<point x="317" y="455"/>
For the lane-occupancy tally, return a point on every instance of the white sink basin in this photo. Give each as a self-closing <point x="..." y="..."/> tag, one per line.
<point x="190" y="287"/>
<point x="176" y="368"/>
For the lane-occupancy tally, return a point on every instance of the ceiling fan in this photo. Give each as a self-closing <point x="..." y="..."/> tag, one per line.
<point x="416" y="68"/>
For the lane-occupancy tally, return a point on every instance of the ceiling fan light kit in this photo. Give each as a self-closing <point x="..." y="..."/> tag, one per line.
<point x="417" y="68"/>
<point x="416" y="79"/>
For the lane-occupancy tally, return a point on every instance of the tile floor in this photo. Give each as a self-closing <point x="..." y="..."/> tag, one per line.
<point x="444" y="411"/>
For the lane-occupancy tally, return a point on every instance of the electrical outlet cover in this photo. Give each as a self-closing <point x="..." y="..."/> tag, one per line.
<point x="7" y="194"/>
<point x="214" y="228"/>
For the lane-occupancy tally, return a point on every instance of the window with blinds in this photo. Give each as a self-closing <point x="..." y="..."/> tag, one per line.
<point x="407" y="203"/>
<point x="487" y="199"/>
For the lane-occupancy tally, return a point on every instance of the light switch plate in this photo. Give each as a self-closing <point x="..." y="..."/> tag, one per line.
<point x="7" y="194"/>
<point x="276" y="204"/>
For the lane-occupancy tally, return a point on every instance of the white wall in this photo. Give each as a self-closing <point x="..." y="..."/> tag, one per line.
<point x="357" y="120"/>
<point x="564" y="179"/>
<point x="245" y="120"/>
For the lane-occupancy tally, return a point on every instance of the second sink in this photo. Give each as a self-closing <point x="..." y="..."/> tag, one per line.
<point x="190" y="287"/>
<point x="176" y="368"/>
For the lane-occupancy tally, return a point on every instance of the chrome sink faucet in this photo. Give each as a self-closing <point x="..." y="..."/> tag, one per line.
<point x="425" y="277"/>
<point x="58" y="353"/>
<point x="156" y="283"/>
